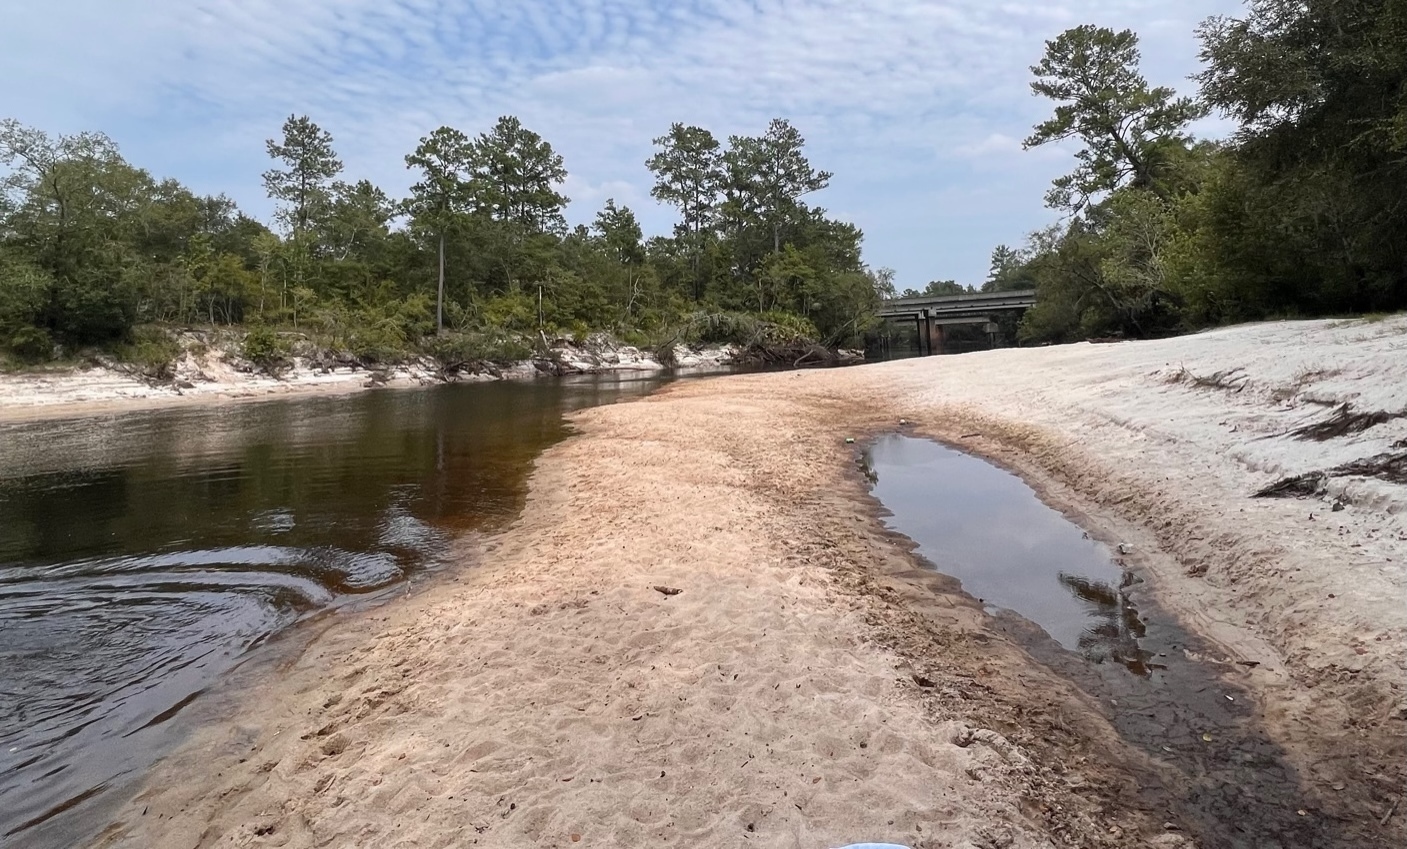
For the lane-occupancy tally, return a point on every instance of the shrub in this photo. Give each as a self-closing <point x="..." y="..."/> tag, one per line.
<point x="455" y="351"/>
<point x="263" y="347"/>
<point x="150" y="353"/>
<point x="512" y="311"/>
<point x="382" y="341"/>
<point x="31" y="344"/>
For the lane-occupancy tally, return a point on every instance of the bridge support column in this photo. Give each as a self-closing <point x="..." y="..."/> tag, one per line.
<point x="930" y="334"/>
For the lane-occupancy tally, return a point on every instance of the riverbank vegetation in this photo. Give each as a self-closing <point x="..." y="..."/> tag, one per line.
<point x="1302" y="211"/>
<point x="477" y="261"/>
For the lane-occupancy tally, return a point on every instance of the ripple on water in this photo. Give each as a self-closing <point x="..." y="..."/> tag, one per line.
<point x="142" y="555"/>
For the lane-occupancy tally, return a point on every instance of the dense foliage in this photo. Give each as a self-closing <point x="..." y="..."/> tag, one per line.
<point x="1302" y="212"/>
<point x="93" y="248"/>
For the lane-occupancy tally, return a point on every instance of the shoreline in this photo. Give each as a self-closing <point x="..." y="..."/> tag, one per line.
<point x="741" y="493"/>
<point x="99" y="391"/>
<point x="550" y="695"/>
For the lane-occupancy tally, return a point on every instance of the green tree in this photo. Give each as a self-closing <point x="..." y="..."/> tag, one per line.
<point x="623" y="240"/>
<point x="304" y="184"/>
<point x="24" y="291"/>
<point x="946" y="287"/>
<point x="358" y="219"/>
<point x="939" y="288"/>
<point x="442" y="193"/>
<point x="1319" y="88"/>
<point x="83" y="215"/>
<point x="768" y="175"/>
<point x="689" y="175"/>
<point x="1129" y="130"/>
<point x="1007" y="271"/>
<point x="49" y="185"/>
<point x="515" y="175"/>
<point x="90" y="245"/>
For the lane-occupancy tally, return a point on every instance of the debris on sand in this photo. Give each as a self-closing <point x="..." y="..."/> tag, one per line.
<point x="1388" y="467"/>
<point x="1344" y="422"/>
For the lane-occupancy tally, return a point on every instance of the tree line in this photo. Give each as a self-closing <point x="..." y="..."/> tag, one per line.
<point x="1301" y="212"/>
<point x="94" y="249"/>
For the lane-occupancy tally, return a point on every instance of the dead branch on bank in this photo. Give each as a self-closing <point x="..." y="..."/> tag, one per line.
<point x="1387" y="467"/>
<point x="1231" y="380"/>
<point x="1344" y="422"/>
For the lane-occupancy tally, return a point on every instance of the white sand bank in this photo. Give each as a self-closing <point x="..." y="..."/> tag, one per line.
<point x="1317" y="597"/>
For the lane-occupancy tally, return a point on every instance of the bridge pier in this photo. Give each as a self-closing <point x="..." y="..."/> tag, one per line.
<point x="931" y="335"/>
<point x="937" y="337"/>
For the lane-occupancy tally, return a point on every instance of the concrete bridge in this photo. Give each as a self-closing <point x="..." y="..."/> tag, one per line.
<point x="932" y="313"/>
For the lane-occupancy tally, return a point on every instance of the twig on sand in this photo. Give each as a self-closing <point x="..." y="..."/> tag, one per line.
<point x="668" y="591"/>
<point x="1390" y="811"/>
<point x="1232" y="379"/>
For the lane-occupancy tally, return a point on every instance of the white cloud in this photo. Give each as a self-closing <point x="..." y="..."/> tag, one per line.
<point x="905" y="100"/>
<point x="996" y="144"/>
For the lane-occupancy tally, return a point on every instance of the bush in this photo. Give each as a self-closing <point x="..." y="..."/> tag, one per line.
<point x="511" y="311"/>
<point x="785" y="327"/>
<point x="457" y="351"/>
<point x="31" y="344"/>
<point x="151" y="353"/>
<point x="263" y="347"/>
<point x="382" y="341"/>
<point x="771" y="337"/>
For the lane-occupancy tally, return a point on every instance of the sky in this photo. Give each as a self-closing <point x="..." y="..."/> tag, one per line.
<point x="918" y="107"/>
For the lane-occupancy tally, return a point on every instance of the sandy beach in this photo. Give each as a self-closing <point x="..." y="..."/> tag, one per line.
<point x="811" y="683"/>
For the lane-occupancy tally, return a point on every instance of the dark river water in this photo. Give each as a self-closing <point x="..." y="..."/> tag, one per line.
<point x="142" y="555"/>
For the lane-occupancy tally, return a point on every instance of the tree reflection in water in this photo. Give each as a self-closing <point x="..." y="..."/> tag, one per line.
<point x="1116" y="628"/>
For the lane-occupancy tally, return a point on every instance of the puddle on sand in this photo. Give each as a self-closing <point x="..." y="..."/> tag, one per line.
<point x="986" y="528"/>
<point x="1098" y="628"/>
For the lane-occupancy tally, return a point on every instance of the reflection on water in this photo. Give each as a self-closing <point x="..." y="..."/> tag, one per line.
<point x="141" y="555"/>
<point x="1218" y="770"/>
<point x="985" y="527"/>
<point x="1115" y="627"/>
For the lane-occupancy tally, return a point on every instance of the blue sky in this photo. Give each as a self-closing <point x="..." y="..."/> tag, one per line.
<point x="917" y="106"/>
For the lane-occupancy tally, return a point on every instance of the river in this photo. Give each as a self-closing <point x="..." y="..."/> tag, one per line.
<point x="142" y="555"/>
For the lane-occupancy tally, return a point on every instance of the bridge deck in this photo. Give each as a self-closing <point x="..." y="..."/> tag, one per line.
<point x="955" y="306"/>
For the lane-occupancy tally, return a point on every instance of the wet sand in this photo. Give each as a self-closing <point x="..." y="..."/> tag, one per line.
<point x="811" y="684"/>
